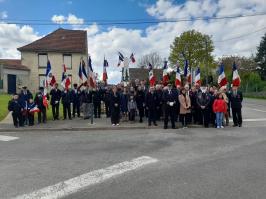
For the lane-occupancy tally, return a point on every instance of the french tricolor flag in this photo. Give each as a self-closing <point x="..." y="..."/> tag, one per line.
<point x="105" y="65"/>
<point x="151" y="75"/>
<point x="197" y="77"/>
<point x="165" y="74"/>
<point x="178" y="76"/>
<point x="65" y="79"/>
<point x="222" y="81"/>
<point x="82" y="71"/>
<point x="236" y="78"/>
<point x="187" y="73"/>
<point x="34" y="109"/>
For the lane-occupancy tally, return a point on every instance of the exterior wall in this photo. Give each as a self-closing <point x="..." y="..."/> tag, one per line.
<point x="30" y="59"/>
<point x="22" y="78"/>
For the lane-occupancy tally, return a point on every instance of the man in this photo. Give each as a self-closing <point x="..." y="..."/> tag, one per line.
<point x="16" y="108"/>
<point x="66" y="101"/>
<point x="169" y="100"/>
<point x="194" y="107"/>
<point x="24" y="97"/>
<point x="203" y="101"/>
<point x="55" y="101"/>
<point x="159" y="106"/>
<point x="236" y="99"/>
<point x="41" y="102"/>
<point x="107" y="99"/>
<point x="76" y="95"/>
<point x="87" y="105"/>
<point x="97" y="98"/>
<point x="140" y="100"/>
<point x="151" y="101"/>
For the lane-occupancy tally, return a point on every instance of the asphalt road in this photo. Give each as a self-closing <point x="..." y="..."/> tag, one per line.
<point x="193" y="163"/>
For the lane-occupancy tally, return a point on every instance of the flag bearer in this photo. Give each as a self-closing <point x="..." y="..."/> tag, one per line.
<point x="151" y="102"/>
<point x="41" y="102"/>
<point x="66" y="101"/>
<point x="76" y="95"/>
<point x="236" y="99"/>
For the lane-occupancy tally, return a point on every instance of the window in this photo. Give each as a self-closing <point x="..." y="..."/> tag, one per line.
<point x="67" y="60"/>
<point x="42" y="80"/>
<point x="42" y="59"/>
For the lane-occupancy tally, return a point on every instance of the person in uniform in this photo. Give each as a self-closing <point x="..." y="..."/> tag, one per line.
<point x="55" y="94"/>
<point x="24" y="97"/>
<point x="204" y="102"/>
<point x="159" y="107"/>
<point x="87" y="105"/>
<point x="151" y="102"/>
<point x="169" y="99"/>
<point x="41" y="102"/>
<point x="97" y="98"/>
<point x="76" y="95"/>
<point x="236" y="99"/>
<point x="106" y="98"/>
<point x="115" y="107"/>
<point x="140" y="101"/>
<point x="31" y="112"/>
<point x="66" y="101"/>
<point x="15" y="106"/>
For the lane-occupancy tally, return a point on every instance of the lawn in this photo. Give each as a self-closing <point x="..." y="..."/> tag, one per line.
<point x="4" y="98"/>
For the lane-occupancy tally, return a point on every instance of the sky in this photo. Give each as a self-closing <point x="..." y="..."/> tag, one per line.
<point x="33" y="19"/>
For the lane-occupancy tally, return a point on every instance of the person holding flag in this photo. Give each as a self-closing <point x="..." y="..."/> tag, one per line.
<point x="165" y="74"/>
<point x="152" y="78"/>
<point x="41" y="100"/>
<point x="32" y="108"/>
<point x="222" y="81"/>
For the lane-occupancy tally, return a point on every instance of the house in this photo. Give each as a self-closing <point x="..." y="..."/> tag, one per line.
<point x="61" y="47"/>
<point x="13" y="75"/>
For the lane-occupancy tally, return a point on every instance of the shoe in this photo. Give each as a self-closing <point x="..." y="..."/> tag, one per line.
<point x="222" y="127"/>
<point x="240" y="125"/>
<point x="149" y="124"/>
<point x="155" y="124"/>
<point x="113" y="124"/>
<point x="173" y="127"/>
<point x="235" y="125"/>
<point x="165" y="127"/>
<point x="218" y="127"/>
<point x="117" y="124"/>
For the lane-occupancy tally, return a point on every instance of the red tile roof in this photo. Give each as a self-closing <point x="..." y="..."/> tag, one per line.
<point x="14" y="64"/>
<point x="61" y="40"/>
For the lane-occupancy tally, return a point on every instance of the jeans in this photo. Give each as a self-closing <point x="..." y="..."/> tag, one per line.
<point x="219" y="119"/>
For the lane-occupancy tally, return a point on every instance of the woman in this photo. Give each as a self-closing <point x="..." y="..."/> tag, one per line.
<point x="185" y="107"/>
<point x="124" y="104"/>
<point x="115" y="107"/>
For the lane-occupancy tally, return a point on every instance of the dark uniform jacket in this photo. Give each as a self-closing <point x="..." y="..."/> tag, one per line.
<point x="140" y="98"/>
<point x="25" y="97"/>
<point x="115" y="99"/>
<point x="236" y="100"/>
<point x="66" y="97"/>
<point x="76" y="95"/>
<point x="97" y="97"/>
<point x="204" y="99"/>
<point x="15" y="106"/>
<point x="151" y="100"/>
<point x="55" y="96"/>
<point x="86" y="96"/>
<point x="39" y="100"/>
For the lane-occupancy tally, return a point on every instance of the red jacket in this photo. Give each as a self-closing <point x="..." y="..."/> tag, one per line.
<point x="219" y="106"/>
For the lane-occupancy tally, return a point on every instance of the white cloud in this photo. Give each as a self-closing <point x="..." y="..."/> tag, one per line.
<point x="3" y="15"/>
<point x="12" y="37"/>
<point x="70" y="19"/>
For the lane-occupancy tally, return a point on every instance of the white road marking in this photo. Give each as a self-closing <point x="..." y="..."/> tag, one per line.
<point x="255" y="120"/>
<point x="256" y="109"/>
<point x="78" y="183"/>
<point x="7" y="138"/>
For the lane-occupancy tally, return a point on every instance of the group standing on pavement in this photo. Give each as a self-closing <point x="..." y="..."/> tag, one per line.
<point x="202" y="105"/>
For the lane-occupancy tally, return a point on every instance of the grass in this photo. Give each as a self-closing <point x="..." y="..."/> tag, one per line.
<point x="4" y="98"/>
<point x="50" y="114"/>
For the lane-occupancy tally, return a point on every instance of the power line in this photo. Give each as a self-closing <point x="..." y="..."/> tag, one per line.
<point x="124" y="21"/>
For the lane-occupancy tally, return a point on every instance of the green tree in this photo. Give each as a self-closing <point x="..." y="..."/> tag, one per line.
<point x="197" y="49"/>
<point x="261" y="57"/>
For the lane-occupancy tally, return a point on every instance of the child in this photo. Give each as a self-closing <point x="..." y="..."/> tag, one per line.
<point x="32" y="108"/>
<point x="219" y="108"/>
<point x="132" y="106"/>
<point x="16" y="108"/>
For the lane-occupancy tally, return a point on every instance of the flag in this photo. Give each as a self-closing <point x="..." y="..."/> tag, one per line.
<point x="197" y="77"/>
<point x="236" y="78"/>
<point x="91" y="76"/>
<point x="34" y="109"/>
<point x="222" y="81"/>
<point x="165" y="75"/>
<point x="65" y="82"/>
<point x="132" y="58"/>
<point x="120" y="58"/>
<point x="178" y="80"/>
<point x="187" y="73"/>
<point x="82" y="71"/>
<point x="151" y="75"/>
<point x="105" y="64"/>
<point x="49" y="77"/>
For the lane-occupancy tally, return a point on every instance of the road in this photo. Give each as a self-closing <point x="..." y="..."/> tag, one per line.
<point x="192" y="163"/>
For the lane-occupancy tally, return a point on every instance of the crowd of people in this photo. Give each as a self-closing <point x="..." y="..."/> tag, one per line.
<point x="203" y="105"/>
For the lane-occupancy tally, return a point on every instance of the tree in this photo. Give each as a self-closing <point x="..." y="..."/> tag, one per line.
<point x="153" y="58"/>
<point x="261" y="57"/>
<point x="194" y="46"/>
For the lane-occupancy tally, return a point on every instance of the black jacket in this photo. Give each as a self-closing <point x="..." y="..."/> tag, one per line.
<point x="39" y="100"/>
<point x="66" y="97"/>
<point x="151" y="100"/>
<point x="204" y="99"/>
<point x="236" y="100"/>
<point x="76" y="96"/>
<point x="55" y="96"/>
<point x="86" y="96"/>
<point x="24" y="98"/>
<point x="115" y="99"/>
<point x="97" y="97"/>
<point x="140" y="99"/>
<point x="15" y="106"/>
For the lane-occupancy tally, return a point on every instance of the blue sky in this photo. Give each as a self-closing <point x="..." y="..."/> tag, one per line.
<point x="239" y="36"/>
